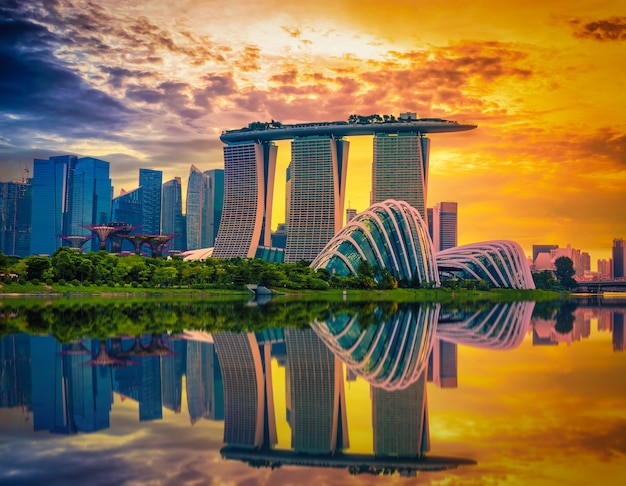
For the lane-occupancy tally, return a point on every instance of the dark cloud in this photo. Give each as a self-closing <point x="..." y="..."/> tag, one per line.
<point x="611" y="29"/>
<point x="37" y="88"/>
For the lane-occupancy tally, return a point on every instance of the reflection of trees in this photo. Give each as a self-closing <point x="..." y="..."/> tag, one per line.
<point x="71" y="319"/>
<point x="565" y="318"/>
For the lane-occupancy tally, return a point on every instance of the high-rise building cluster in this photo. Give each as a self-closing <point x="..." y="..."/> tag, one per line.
<point x="545" y="255"/>
<point x="69" y="201"/>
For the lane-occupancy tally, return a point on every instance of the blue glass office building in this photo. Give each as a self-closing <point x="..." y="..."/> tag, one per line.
<point x="50" y="192"/>
<point x="90" y="197"/>
<point x="150" y="181"/>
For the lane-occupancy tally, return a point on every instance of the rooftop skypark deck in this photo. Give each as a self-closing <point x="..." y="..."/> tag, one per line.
<point x="360" y="126"/>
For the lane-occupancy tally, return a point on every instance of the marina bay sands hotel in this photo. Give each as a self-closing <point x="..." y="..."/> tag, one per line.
<point x="317" y="181"/>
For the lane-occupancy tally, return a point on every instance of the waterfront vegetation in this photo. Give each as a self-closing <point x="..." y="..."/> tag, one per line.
<point x="69" y="272"/>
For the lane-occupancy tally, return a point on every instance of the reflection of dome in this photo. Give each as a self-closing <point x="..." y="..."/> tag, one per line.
<point x="389" y="352"/>
<point x="501" y="326"/>
<point x="391" y="235"/>
<point x="502" y="263"/>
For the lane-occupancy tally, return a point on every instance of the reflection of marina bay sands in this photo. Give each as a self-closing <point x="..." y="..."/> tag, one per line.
<point x="317" y="179"/>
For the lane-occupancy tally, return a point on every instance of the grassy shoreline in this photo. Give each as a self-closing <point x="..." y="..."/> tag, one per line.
<point x="407" y="295"/>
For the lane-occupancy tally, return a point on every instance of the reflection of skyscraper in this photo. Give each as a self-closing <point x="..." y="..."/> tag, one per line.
<point x="172" y="213"/>
<point x="249" y="419"/>
<point x="205" y="390"/>
<point x="318" y="411"/>
<point x="618" y="331"/>
<point x="15" y="218"/>
<point x="318" y="180"/>
<point x="150" y="404"/>
<point x="400" y="420"/>
<point x="151" y="181"/>
<point x="249" y="170"/>
<point x="50" y="185"/>
<point x="400" y="169"/>
<point x="172" y="371"/>
<point x="445" y="372"/>
<point x="68" y="395"/>
<point x="15" y="377"/>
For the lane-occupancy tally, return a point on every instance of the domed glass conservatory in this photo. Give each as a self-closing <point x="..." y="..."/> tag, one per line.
<point x="392" y="235"/>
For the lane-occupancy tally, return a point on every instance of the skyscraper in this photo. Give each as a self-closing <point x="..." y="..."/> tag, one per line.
<point x="249" y="169"/>
<point x="205" y="200"/>
<point x="15" y="218"/>
<point x="212" y="205"/>
<point x="90" y="197"/>
<point x="51" y="184"/>
<point x="318" y="180"/>
<point x="400" y="169"/>
<point x="150" y="181"/>
<point x="172" y="213"/>
<point x="445" y="225"/>
<point x="619" y="258"/>
<point x="194" y="208"/>
<point x="127" y="208"/>
<point x="350" y="214"/>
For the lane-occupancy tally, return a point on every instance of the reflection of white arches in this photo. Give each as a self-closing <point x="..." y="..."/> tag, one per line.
<point x="502" y="263"/>
<point x="502" y="326"/>
<point x="391" y="354"/>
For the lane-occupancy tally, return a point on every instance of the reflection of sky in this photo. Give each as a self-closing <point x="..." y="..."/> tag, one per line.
<point x="540" y="415"/>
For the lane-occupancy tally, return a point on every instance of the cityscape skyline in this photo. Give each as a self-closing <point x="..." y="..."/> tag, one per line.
<point x="162" y="85"/>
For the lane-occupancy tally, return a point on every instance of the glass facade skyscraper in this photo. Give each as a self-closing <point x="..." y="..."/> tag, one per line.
<point x="212" y="205"/>
<point x="318" y="180"/>
<point x="172" y="213"/>
<point x="15" y="217"/>
<point x="90" y="197"/>
<point x="400" y="169"/>
<point x="205" y="201"/>
<point x="150" y="181"/>
<point x="127" y="208"/>
<point x="50" y="192"/>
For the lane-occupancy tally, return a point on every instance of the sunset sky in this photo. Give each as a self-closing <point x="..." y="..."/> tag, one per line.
<point x="153" y="83"/>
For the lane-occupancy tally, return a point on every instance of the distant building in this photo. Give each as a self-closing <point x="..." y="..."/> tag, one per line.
<point x="15" y="218"/>
<point x="151" y="181"/>
<point x="619" y="258"/>
<point x="445" y="367"/>
<point x="350" y="214"/>
<point x="279" y="237"/>
<point x="444" y="226"/>
<point x="542" y="249"/>
<point x="172" y="214"/>
<point x="605" y="268"/>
